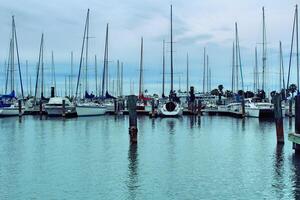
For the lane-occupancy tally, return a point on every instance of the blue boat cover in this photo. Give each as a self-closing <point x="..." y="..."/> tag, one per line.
<point x="8" y="96"/>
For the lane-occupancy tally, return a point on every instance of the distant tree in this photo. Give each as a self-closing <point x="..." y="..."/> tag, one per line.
<point x="221" y="87"/>
<point x="292" y="89"/>
<point x="241" y="92"/>
<point x="273" y="93"/>
<point x="215" y="92"/>
<point x="249" y="94"/>
<point x="228" y="93"/>
<point x="261" y="94"/>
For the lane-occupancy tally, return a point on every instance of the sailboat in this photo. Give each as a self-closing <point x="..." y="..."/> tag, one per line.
<point x="171" y="107"/>
<point x="87" y="107"/>
<point x="8" y="102"/>
<point x="108" y="99"/>
<point x="142" y="103"/>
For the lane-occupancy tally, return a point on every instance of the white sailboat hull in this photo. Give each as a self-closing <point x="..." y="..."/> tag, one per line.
<point x="252" y="112"/>
<point x="90" y="110"/>
<point x="10" y="111"/>
<point x="58" y="110"/>
<point x="165" y="112"/>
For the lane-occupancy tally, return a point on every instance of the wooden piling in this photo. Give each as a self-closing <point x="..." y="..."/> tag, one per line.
<point x="20" y="108"/>
<point x="199" y="105"/>
<point x="278" y="118"/>
<point x="296" y="146"/>
<point x="52" y="92"/>
<point x="243" y="106"/>
<point x="133" y="130"/>
<point x="115" y="106"/>
<point x="41" y="109"/>
<point x="291" y="107"/>
<point x="152" y="108"/>
<point x="63" y="108"/>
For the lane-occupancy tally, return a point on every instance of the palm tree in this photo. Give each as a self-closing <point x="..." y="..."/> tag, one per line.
<point x="293" y="89"/>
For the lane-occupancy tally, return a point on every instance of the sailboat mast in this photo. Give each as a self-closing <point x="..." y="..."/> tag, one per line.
<point x="105" y="65"/>
<point x="96" y="75"/>
<point x="27" y="80"/>
<point x="281" y="65"/>
<point x="38" y="68"/>
<point x="87" y="51"/>
<point x="297" y="46"/>
<point x="52" y="69"/>
<point x="256" y="72"/>
<point x="18" y="57"/>
<point x="141" y="70"/>
<point x="118" y="78"/>
<point x="204" y="67"/>
<point x="12" y="57"/>
<point x="171" y="50"/>
<point x="233" y="69"/>
<point x="207" y="74"/>
<point x="236" y="58"/>
<point x="81" y="55"/>
<point x="71" y="78"/>
<point x="164" y="66"/>
<point x="121" y="80"/>
<point x="264" y="55"/>
<point x="187" y="72"/>
<point x="42" y="64"/>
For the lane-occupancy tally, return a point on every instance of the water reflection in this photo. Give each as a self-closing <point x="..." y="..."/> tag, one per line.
<point x="132" y="183"/>
<point x="195" y="120"/>
<point x="153" y="123"/>
<point x="290" y="123"/>
<point x="296" y="178"/>
<point x="171" y="126"/>
<point x="278" y="177"/>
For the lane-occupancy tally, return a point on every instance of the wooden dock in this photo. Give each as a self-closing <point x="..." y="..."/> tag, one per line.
<point x="222" y="112"/>
<point x="294" y="137"/>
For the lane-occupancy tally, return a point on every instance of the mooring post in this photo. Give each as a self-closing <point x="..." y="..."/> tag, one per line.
<point x="278" y="118"/>
<point x="243" y="106"/>
<point x="63" y="108"/>
<point x="296" y="146"/>
<point x="52" y="92"/>
<point x="133" y="130"/>
<point x="199" y="105"/>
<point x="20" y="108"/>
<point x="41" y="109"/>
<point x="152" y="108"/>
<point x="115" y="106"/>
<point x="291" y="107"/>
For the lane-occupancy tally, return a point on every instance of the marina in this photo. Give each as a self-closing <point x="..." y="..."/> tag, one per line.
<point x="170" y="112"/>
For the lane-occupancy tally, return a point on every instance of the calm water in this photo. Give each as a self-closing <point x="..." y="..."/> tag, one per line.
<point x="186" y="158"/>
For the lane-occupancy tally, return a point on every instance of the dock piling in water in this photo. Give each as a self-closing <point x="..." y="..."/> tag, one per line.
<point x="295" y="137"/>
<point x="41" y="109"/>
<point x="278" y="118"/>
<point x="199" y="105"/>
<point x="20" y="108"/>
<point x="63" y="108"/>
<point x="133" y="130"/>
<point x="291" y="107"/>
<point x="243" y="106"/>
<point x="52" y="92"/>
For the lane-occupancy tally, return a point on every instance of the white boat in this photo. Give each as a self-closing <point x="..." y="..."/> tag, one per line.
<point x="170" y="109"/>
<point x="12" y="110"/>
<point x="90" y="109"/>
<point x="232" y="107"/>
<point x="55" y="107"/>
<point x="258" y="109"/>
<point x="110" y="105"/>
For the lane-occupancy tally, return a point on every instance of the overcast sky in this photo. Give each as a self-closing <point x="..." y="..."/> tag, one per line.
<point x="197" y="24"/>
